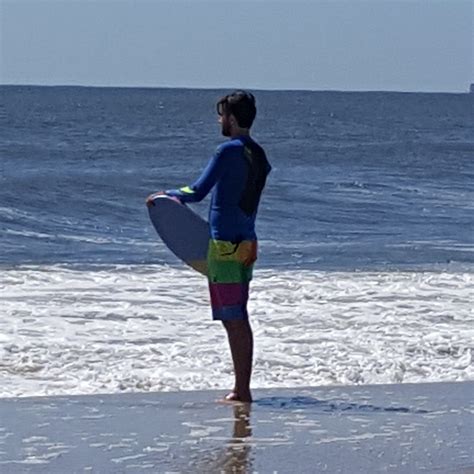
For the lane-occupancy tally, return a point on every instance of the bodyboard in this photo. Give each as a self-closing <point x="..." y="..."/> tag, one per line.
<point x="184" y="232"/>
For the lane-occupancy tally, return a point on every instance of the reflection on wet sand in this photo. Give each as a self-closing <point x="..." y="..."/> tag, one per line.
<point x="235" y="455"/>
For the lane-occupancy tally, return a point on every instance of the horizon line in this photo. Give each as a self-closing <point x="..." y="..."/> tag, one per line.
<point x="222" y="88"/>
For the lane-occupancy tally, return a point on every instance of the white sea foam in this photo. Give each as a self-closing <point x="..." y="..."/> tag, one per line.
<point x="66" y="330"/>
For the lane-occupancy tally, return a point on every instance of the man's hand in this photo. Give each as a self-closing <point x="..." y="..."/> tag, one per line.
<point x="247" y="252"/>
<point x="150" y="200"/>
<point x="250" y="260"/>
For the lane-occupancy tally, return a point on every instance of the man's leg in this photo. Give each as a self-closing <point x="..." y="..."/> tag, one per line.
<point x="241" y="346"/>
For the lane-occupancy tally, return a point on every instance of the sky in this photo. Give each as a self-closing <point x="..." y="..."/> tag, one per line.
<point x="409" y="45"/>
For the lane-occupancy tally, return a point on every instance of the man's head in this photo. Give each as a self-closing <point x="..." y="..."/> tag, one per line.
<point x="236" y="112"/>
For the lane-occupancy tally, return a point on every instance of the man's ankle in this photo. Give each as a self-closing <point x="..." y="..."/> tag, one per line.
<point x="245" y="396"/>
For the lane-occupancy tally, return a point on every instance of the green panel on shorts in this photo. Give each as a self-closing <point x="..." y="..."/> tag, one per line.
<point x="228" y="272"/>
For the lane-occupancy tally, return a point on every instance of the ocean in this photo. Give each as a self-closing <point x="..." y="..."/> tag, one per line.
<point x="366" y="265"/>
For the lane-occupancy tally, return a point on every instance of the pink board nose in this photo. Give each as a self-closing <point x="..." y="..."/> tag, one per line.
<point x="184" y="232"/>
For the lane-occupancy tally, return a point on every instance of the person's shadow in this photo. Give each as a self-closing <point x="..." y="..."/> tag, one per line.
<point x="331" y="406"/>
<point x="235" y="456"/>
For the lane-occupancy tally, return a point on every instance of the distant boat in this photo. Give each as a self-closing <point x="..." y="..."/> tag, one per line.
<point x="471" y="90"/>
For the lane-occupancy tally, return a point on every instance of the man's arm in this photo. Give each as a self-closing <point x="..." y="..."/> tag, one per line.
<point x="200" y="188"/>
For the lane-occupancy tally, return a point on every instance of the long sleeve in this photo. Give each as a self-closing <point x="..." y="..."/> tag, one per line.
<point x="200" y="188"/>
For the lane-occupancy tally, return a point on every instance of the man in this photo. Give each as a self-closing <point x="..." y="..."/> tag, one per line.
<point x="237" y="174"/>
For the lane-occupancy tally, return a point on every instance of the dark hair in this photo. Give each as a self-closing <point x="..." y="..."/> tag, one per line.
<point x="241" y="105"/>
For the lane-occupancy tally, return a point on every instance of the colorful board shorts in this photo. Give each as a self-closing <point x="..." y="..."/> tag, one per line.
<point x="230" y="268"/>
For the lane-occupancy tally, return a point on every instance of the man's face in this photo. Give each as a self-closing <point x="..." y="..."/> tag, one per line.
<point x="224" y="120"/>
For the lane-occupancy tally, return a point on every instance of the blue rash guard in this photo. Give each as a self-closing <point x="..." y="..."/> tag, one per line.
<point x="237" y="172"/>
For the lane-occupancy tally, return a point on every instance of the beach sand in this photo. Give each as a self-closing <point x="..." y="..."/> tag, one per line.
<point x="358" y="429"/>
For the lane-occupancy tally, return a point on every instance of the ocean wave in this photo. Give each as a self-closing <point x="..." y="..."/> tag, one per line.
<point x="75" y="330"/>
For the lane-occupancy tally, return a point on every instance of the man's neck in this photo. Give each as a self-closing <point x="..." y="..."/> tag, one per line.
<point x="239" y="132"/>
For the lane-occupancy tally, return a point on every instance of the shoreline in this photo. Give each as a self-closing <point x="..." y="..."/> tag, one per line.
<point x="223" y="391"/>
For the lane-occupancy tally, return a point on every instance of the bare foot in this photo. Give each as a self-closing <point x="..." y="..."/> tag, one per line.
<point x="233" y="397"/>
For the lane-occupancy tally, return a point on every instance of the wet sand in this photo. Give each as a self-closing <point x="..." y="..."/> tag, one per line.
<point x="359" y="429"/>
